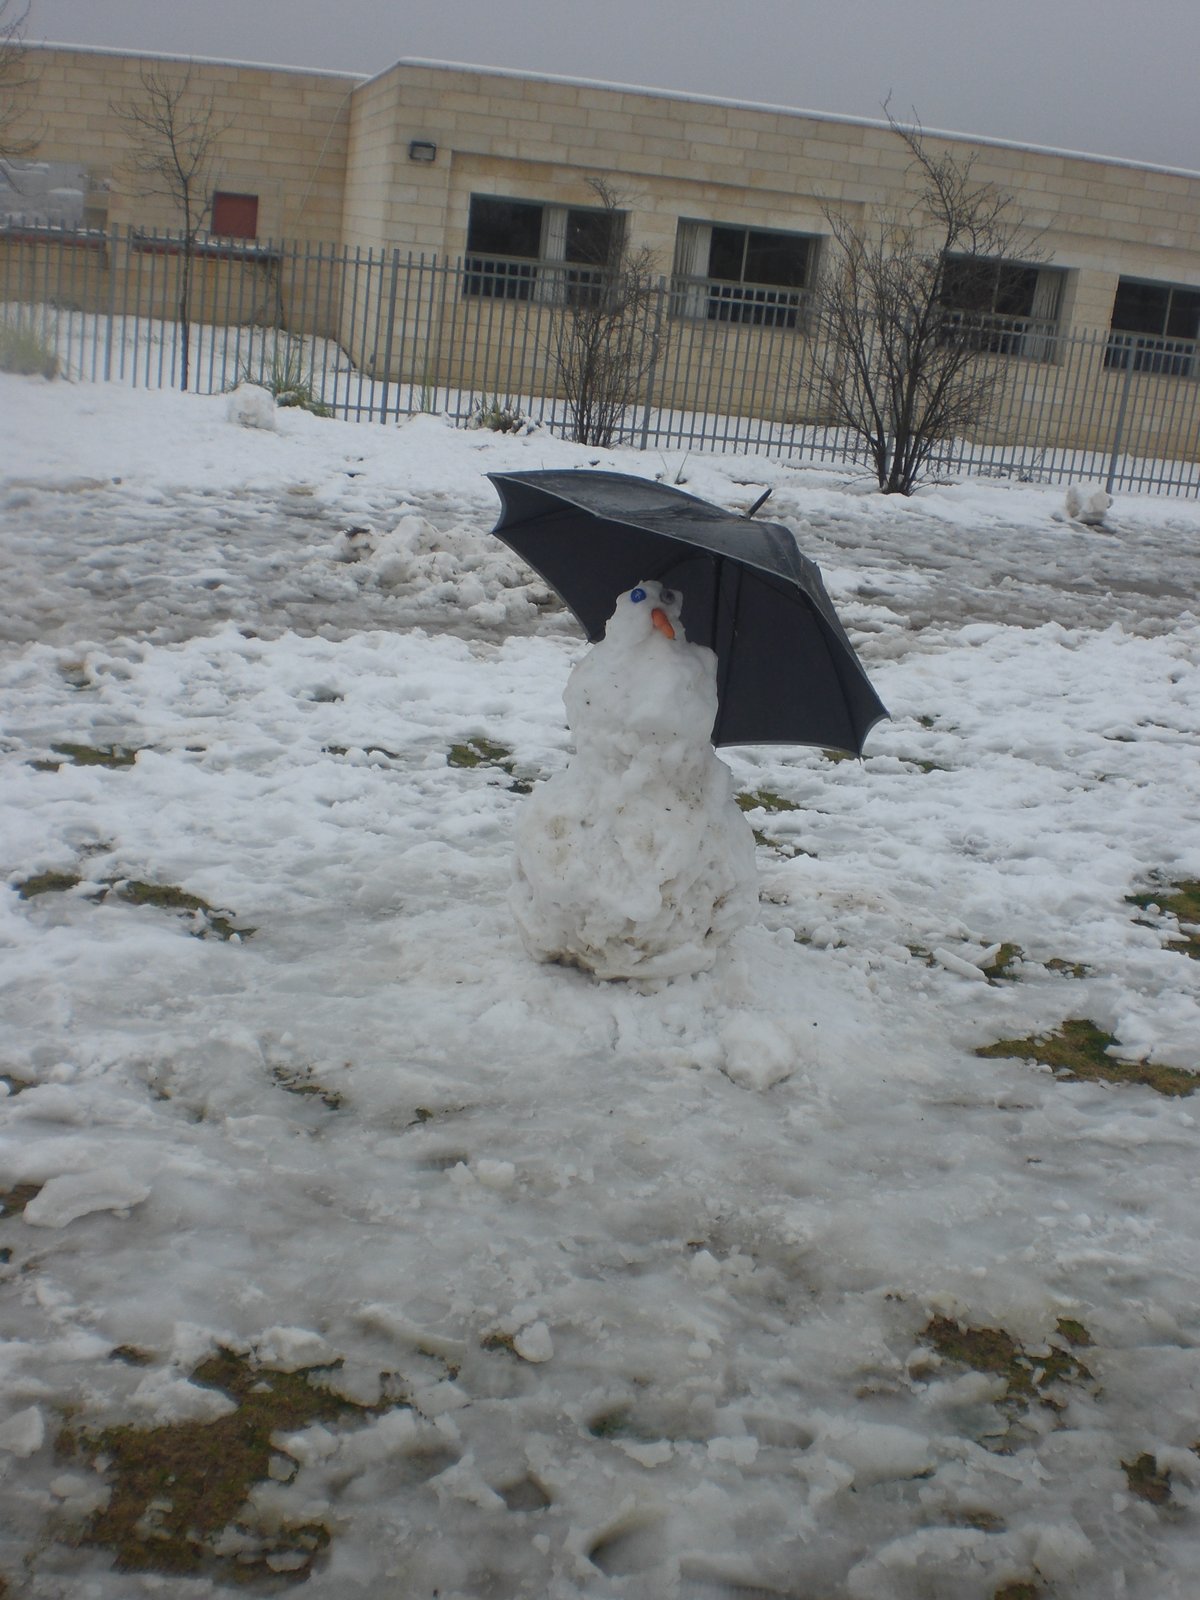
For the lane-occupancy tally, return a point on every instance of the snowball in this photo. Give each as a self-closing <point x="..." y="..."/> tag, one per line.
<point x="1087" y="505"/>
<point x="534" y="1343"/>
<point x="635" y="862"/>
<point x="251" y="406"/>
<point x="757" y="1052"/>
<point x="76" y="1194"/>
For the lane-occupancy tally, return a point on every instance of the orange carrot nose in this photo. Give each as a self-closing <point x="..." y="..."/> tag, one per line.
<point x="662" y="622"/>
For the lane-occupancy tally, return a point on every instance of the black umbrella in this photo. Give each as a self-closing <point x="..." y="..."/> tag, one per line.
<point x="786" y="672"/>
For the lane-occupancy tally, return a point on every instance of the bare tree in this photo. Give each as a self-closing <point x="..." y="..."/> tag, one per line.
<point x="173" y="134"/>
<point x="897" y="336"/>
<point x="606" y="331"/>
<point x="16" y="76"/>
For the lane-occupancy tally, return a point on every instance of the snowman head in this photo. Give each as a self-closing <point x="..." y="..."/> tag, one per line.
<point x="648" y="611"/>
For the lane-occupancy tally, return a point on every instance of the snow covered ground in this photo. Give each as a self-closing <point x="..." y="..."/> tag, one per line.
<point x="651" y="1295"/>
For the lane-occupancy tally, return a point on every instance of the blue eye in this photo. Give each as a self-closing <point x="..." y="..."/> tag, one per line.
<point x="637" y="595"/>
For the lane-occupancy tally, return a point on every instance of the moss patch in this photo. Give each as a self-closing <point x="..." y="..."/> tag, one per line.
<point x="1017" y="1591"/>
<point x="1078" y="1050"/>
<point x="1146" y="1481"/>
<point x="1027" y="1378"/>
<point x="175" y="1489"/>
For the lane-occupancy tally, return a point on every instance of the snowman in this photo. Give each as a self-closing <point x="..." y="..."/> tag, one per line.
<point x="635" y="861"/>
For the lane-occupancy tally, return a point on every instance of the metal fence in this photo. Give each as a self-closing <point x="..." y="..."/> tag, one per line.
<point x="376" y="335"/>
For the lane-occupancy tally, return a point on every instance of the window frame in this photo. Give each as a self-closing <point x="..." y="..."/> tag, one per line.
<point x="1162" y="354"/>
<point x="562" y="272"/>
<point x="743" y="300"/>
<point x="995" y="329"/>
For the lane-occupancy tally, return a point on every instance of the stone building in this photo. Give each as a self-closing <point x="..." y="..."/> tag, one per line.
<point x="498" y="169"/>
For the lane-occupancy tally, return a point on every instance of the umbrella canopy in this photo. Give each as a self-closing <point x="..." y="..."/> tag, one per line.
<point x="786" y="672"/>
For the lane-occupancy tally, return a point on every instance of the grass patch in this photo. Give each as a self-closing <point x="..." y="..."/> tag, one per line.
<point x="167" y="897"/>
<point x="1002" y="968"/>
<point x="839" y="755"/>
<point x="614" y="1424"/>
<point x="87" y="755"/>
<point x="1068" y="969"/>
<point x="131" y="1355"/>
<point x="1027" y="1378"/>
<point x="1074" y="1332"/>
<point x="302" y="1082"/>
<point x="27" y="348"/>
<point x="47" y="883"/>
<point x="499" y="1341"/>
<point x="1181" y="901"/>
<point x="1078" y="1051"/>
<point x="205" y="920"/>
<point x="481" y="752"/>
<point x="765" y="800"/>
<point x="367" y="750"/>
<point x="1146" y="1481"/>
<point x="13" y="1201"/>
<point x="288" y="380"/>
<point x="1017" y="1591"/>
<point x="175" y="1489"/>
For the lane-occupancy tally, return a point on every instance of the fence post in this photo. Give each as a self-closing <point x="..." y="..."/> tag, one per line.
<point x="652" y="370"/>
<point x="387" y="342"/>
<point x="1119" y="432"/>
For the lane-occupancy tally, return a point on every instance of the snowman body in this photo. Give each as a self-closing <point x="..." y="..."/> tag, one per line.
<point x="635" y="861"/>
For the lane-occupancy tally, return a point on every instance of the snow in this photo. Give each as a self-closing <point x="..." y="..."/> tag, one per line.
<point x="653" y="1271"/>
<point x="635" y="862"/>
<point x="252" y="406"/>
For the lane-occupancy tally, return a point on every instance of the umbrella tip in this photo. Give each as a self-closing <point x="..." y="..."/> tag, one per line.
<point x="760" y="502"/>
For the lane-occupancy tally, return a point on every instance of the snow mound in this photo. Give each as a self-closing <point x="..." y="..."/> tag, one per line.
<point x="251" y="406"/>
<point x="1087" y="504"/>
<point x="635" y="861"/>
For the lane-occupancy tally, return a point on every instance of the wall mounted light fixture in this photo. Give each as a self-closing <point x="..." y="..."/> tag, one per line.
<point x="422" y="150"/>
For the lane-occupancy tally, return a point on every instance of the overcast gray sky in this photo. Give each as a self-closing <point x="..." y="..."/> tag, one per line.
<point x="1113" y="77"/>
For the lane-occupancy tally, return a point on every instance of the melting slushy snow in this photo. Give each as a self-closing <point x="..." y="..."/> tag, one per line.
<point x="634" y="1292"/>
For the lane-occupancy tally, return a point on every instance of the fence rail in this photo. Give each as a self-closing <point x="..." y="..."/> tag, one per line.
<point x="375" y="335"/>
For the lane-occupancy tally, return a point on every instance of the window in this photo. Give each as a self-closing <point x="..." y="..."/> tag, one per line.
<point x="741" y="274"/>
<point x="43" y="194"/>
<point x="234" y="216"/>
<point x="524" y="250"/>
<point x="1156" y="326"/>
<point x="1005" y="307"/>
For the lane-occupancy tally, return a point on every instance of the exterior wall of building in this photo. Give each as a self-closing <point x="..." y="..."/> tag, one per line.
<point x="286" y="139"/>
<point x="671" y="157"/>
